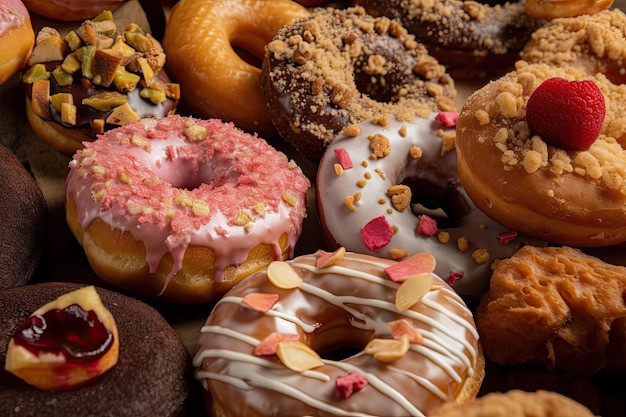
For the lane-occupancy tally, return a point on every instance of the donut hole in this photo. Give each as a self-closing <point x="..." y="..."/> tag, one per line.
<point x="181" y="174"/>
<point x="339" y="342"/>
<point x="249" y="45"/>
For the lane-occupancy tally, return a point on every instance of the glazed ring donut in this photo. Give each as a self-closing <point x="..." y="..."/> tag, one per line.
<point x="202" y="38"/>
<point x="16" y="38"/>
<point x="348" y="304"/>
<point x="401" y="191"/>
<point x="182" y="208"/>
<point x="594" y="44"/>
<point x="472" y="39"/>
<point x="573" y="198"/>
<point x="70" y="10"/>
<point x="551" y="9"/>
<point x="340" y="67"/>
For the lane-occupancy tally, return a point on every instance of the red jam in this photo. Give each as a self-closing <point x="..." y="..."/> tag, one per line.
<point x="77" y="334"/>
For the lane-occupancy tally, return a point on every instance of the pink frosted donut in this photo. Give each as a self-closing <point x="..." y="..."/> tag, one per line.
<point x="409" y="199"/>
<point x="16" y="38"/>
<point x="69" y="10"/>
<point x="183" y="208"/>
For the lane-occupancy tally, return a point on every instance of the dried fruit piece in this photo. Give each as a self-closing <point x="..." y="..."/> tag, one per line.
<point x="347" y="385"/>
<point x="260" y="302"/>
<point x="426" y="226"/>
<point x="418" y="264"/>
<point x="506" y="237"/>
<point x="454" y="276"/>
<point x="412" y="290"/>
<point x="401" y="328"/>
<point x="297" y="356"/>
<point x="282" y="275"/>
<point x="447" y="118"/>
<point x="343" y="157"/>
<point x="268" y="346"/>
<point x="388" y="350"/>
<point x="377" y="233"/>
<point x="327" y="259"/>
<point x="566" y="114"/>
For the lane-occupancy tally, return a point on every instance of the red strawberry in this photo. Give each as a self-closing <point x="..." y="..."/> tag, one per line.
<point x="566" y="114"/>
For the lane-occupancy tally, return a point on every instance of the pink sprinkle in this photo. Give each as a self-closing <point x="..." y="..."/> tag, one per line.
<point x="447" y="118"/>
<point x="427" y="226"/>
<point x="347" y="385"/>
<point x="506" y="237"/>
<point x="454" y="276"/>
<point x="344" y="158"/>
<point x="377" y="233"/>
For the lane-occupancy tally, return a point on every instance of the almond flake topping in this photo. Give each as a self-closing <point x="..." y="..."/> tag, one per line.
<point x="297" y="356"/>
<point x="282" y="275"/>
<point x="412" y="290"/>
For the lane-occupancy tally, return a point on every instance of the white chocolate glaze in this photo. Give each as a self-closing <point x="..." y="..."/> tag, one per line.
<point x="336" y="307"/>
<point x="13" y="13"/>
<point x="432" y="177"/>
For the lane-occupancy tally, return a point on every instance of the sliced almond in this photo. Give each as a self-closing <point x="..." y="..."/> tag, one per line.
<point x="327" y="259"/>
<point x="282" y="275"/>
<point x="412" y="290"/>
<point x="122" y="115"/>
<point x="388" y="350"/>
<point x="297" y="356"/>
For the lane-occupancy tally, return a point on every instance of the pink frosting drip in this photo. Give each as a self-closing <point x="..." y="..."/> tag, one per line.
<point x="169" y="191"/>
<point x="13" y="13"/>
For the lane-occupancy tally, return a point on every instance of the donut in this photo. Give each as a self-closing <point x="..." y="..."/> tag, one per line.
<point x="568" y="197"/>
<point x="382" y="204"/>
<point x="551" y="9"/>
<point x="339" y="67"/>
<point x="93" y="80"/>
<point x="71" y="10"/>
<point x="285" y="358"/>
<point x="16" y="38"/>
<point x="574" y="302"/>
<point x="215" y="49"/>
<point x="152" y="363"/>
<point x="592" y="43"/>
<point x="473" y="39"/>
<point x="181" y="208"/>
<point x="22" y="238"/>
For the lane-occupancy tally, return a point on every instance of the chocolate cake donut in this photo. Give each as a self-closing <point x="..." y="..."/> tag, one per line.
<point x="152" y="376"/>
<point x="23" y="231"/>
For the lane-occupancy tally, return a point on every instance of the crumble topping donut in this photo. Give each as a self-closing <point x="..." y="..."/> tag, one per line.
<point x="471" y="38"/>
<point x="181" y="208"/>
<point x="275" y="358"/>
<point x="569" y="197"/>
<point x="152" y="363"/>
<point x="340" y="67"/>
<point x="22" y="237"/>
<point x="69" y="10"/>
<point x="93" y="80"/>
<point x="16" y="38"/>
<point x="216" y="48"/>
<point x="394" y="190"/>
<point x="593" y="44"/>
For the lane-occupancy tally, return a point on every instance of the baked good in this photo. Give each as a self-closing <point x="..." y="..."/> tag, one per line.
<point x="215" y="49"/>
<point x="272" y="345"/>
<point x="551" y="9"/>
<point x="181" y="208"/>
<point x="473" y="39"/>
<point x="152" y="364"/>
<point x="512" y="172"/>
<point x="70" y="10"/>
<point x="393" y="190"/>
<point x="340" y="67"/>
<point x="555" y="306"/>
<point x="94" y="79"/>
<point x="592" y="43"/>
<point x="516" y="403"/>
<point x="22" y="239"/>
<point x="16" y="38"/>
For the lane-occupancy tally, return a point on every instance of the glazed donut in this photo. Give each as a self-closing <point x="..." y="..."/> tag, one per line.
<point x="71" y="10"/>
<point x="593" y="44"/>
<point x="182" y="209"/>
<point x="16" y="38"/>
<point x="94" y="79"/>
<point x="402" y="191"/>
<point x="340" y="67"/>
<point x="129" y="388"/>
<point x="551" y="9"/>
<point x="216" y="48"/>
<point x="348" y="304"/>
<point x="471" y="38"/>
<point x="573" y="198"/>
<point x="23" y="237"/>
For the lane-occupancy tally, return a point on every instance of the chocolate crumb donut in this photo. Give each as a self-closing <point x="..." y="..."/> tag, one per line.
<point x="339" y="67"/>
<point x="151" y="378"/>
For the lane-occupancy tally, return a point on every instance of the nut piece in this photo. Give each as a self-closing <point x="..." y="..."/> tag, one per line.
<point x="40" y="98"/>
<point x="412" y="290"/>
<point x="297" y="356"/>
<point x="122" y="115"/>
<point x="282" y="275"/>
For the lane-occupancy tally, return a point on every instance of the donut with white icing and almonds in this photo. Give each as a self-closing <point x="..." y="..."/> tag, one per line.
<point x="271" y="346"/>
<point x="181" y="208"/>
<point x="394" y="190"/>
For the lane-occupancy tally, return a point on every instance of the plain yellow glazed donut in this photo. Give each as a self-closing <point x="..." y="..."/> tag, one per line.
<point x="203" y="37"/>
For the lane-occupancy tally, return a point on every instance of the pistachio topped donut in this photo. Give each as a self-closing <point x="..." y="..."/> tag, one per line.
<point x="272" y="345"/>
<point x="337" y="68"/>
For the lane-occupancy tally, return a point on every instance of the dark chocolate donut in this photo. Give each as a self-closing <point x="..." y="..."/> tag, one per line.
<point x="339" y="67"/>
<point x="22" y="236"/>
<point x="152" y="377"/>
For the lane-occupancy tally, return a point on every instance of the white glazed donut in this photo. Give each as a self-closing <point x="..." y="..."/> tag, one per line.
<point x="348" y="202"/>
